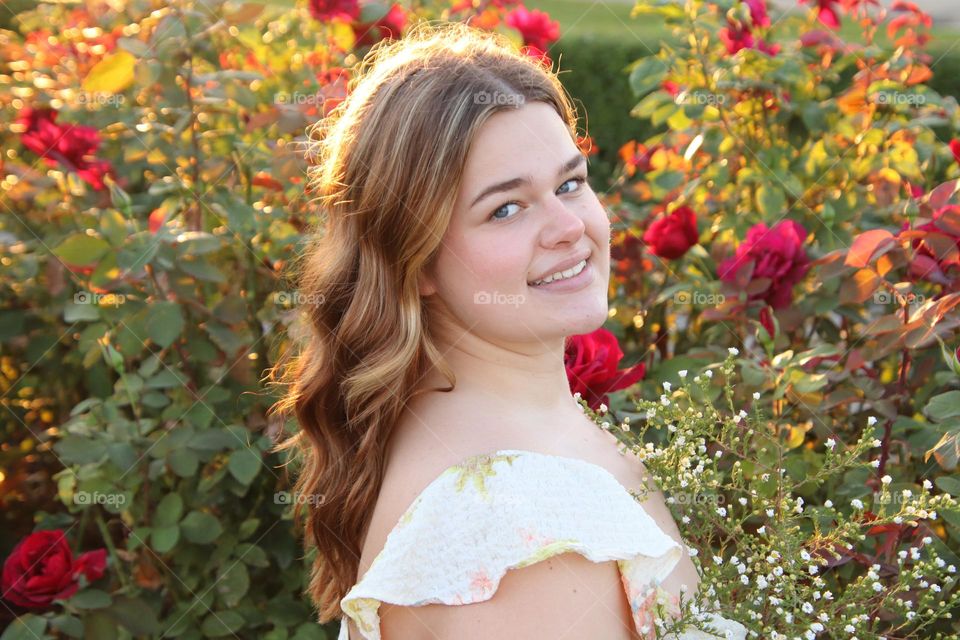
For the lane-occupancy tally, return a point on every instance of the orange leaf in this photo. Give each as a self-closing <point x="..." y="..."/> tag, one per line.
<point x="860" y="287"/>
<point x="865" y="245"/>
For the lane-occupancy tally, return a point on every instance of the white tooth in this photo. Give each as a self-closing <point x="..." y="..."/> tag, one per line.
<point x="572" y="271"/>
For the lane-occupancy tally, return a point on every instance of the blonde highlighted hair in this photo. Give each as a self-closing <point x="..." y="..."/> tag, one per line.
<point x="386" y="166"/>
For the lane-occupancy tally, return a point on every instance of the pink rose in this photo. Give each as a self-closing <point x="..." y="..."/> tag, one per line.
<point x="770" y="262"/>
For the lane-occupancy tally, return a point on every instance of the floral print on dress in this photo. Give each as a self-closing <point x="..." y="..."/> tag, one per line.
<point x="476" y="470"/>
<point x="493" y="513"/>
<point x="481" y="586"/>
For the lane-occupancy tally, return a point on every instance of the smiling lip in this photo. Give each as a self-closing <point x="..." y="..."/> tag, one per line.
<point x="566" y="285"/>
<point x="562" y="266"/>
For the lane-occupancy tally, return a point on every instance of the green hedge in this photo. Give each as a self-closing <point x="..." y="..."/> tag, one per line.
<point x="593" y="69"/>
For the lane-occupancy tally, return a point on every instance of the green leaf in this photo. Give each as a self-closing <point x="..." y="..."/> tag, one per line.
<point x="184" y="462"/>
<point x="949" y="484"/>
<point x="136" y="615"/>
<point x="195" y="243"/>
<point x="169" y="510"/>
<point x="122" y="455"/>
<point x="252" y="555"/>
<point x="647" y="75"/>
<point x="200" y="527"/>
<point x="166" y="379"/>
<point x="771" y="201"/>
<point x="81" y="249"/>
<point x="79" y="450"/>
<point x="81" y="309"/>
<point x="244" y="465"/>
<point x="201" y="270"/>
<point x="247" y="527"/>
<point x="91" y="599"/>
<point x="213" y="440"/>
<point x="233" y="584"/>
<point x="70" y="625"/>
<point x="138" y="48"/>
<point x="164" y="538"/>
<point x="221" y="623"/>
<point x="26" y="627"/>
<point x="943" y="406"/>
<point x="165" y="323"/>
<point x="113" y="226"/>
<point x="664" y="181"/>
<point x="96" y="624"/>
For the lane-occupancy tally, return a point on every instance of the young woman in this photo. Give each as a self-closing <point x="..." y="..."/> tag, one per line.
<point x="445" y="461"/>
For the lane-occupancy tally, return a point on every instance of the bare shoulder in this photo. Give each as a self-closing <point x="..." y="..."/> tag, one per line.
<point x="565" y="595"/>
<point x="415" y="457"/>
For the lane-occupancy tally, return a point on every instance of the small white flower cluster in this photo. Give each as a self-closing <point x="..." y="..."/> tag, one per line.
<point x="765" y="568"/>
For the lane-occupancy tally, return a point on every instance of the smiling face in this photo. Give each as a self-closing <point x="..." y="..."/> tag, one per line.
<point x="524" y="210"/>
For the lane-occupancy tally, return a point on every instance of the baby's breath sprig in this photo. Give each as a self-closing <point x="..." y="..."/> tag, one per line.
<point x="770" y="554"/>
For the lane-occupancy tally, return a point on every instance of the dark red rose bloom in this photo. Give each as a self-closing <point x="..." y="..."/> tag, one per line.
<point x="72" y="146"/>
<point x="672" y="236"/>
<point x="775" y="256"/>
<point x="390" y="26"/>
<point x="41" y="569"/>
<point x="326" y="10"/>
<point x="591" y="361"/>
<point x="536" y="27"/>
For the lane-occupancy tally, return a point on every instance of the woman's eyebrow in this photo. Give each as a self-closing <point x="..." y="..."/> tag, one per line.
<point x="506" y="185"/>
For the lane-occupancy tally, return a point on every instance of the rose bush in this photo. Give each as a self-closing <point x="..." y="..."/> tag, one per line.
<point x="823" y="171"/>
<point x="153" y="189"/>
<point x="798" y="204"/>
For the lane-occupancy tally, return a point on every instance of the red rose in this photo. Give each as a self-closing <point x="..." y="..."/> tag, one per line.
<point x="672" y="236"/>
<point x="591" y="361"/>
<point x="955" y="148"/>
<point x="41" y="569"/>
<point x="73" y="146"/>
<point x="390" y="25"/>
<point x="771" y="257"/>
<point x="326" y="10"/>
<point x="536" y="27"/>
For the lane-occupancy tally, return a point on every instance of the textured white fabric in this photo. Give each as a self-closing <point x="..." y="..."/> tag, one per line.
<point x="510" y="509"/>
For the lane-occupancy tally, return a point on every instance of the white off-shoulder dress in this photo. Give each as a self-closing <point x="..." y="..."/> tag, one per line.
<point x="509" y="509"/>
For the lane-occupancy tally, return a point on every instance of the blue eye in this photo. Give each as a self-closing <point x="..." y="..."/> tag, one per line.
<point x="579" y="180"/>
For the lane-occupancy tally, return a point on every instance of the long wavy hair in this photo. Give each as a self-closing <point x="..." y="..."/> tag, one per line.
<point x="385" y="166"/>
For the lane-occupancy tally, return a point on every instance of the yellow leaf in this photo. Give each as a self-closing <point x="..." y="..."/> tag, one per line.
<point x="112" y="74"/>
<point x="796" y="434"/>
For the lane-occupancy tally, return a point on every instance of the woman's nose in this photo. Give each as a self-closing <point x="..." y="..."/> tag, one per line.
<point x="563" y="223"/>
